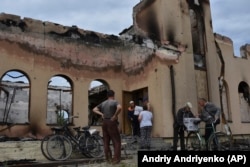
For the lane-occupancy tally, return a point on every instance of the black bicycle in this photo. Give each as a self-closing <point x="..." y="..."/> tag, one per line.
<point x="59" y="146"/>
<point x="90" y="142"/>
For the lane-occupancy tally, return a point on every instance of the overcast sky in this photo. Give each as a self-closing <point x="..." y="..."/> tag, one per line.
<point x="230" y="17"/>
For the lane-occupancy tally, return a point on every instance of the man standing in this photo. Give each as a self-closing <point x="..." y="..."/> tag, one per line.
<point x="210" y="114"/>
<point x="179" y="127"/>
<point x="136" y="130"/>
<point x="109" y="110"/>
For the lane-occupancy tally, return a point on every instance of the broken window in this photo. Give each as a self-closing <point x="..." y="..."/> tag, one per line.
<point x="14" y="98"/>
<point x="244" y="97"/>
<point x="59" y="100"/>
<point x="97" y="94"/>
<point x="197" y="28"/>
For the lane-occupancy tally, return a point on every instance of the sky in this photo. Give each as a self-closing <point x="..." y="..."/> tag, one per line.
<point x="230" y="17"/>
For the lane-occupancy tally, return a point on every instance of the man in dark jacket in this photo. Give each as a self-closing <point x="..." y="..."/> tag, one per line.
<point x="179" y="127"/>
<point x="210" y="114"/>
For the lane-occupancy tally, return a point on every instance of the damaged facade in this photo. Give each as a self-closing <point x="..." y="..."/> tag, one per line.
<point x="170" y="54"/>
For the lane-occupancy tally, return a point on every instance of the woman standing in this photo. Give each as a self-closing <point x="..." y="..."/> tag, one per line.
<point x="145" y="119"/>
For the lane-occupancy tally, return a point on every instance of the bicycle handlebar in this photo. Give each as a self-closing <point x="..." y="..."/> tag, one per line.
<point x="66" y="119"/>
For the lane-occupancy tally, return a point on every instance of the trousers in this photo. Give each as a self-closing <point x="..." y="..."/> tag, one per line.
<point x="178" y="131"/>
<point x="111" y="133"/>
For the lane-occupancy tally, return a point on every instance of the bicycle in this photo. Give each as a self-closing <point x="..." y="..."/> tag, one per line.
<point x="91" y="143"/>
<point x="59" y="145"/>
<point x="55" y="130"/>
<point x="218" y="141"/>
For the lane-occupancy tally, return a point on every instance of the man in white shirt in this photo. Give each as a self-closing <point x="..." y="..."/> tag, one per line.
<point x="137" y="111"/>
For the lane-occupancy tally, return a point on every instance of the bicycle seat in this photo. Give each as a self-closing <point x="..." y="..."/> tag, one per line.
<point x="86" y="127"/>
<point x="57" y="128"/>
<point x="93" y="131"/>
<point x="77" y="128"/>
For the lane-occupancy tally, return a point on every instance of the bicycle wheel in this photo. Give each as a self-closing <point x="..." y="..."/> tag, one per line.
<point x="43" y="147"/>
<point x="82" y="146"/>
<point x="94" y="145"/>
<point x="59" y="147"/>
<point x="193" y="141"/>
<point x="99" y="139"/>
<point x="219" y="141"/>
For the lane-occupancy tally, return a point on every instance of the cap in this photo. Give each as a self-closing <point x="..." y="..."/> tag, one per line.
<point x="131" y="102"/>
<point x="189" y="105"/>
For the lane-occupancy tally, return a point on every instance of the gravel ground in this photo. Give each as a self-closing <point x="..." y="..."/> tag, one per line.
<point x="131" y="161"/>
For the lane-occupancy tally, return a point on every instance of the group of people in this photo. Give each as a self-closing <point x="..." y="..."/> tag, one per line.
<point x="141" y="120"/>
<point x="210" y="114"/>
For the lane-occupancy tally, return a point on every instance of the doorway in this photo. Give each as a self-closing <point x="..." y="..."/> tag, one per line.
<point x="137" y="96"/>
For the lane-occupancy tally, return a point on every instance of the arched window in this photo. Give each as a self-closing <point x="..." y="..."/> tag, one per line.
<point x="59" y="100"/>
<point x="244" y="96"/>
<point x="14" y="97"/>
<point x="97" y="94"/>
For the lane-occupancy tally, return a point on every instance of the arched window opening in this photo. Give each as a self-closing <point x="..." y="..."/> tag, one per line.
<point x="244" y="90"/>
<point x="97" y="94"/>
<point x="59" y="100"/>
<point x="244" y="96"/>
<point x="14" y="98"/>
<point x="198" y="37"/>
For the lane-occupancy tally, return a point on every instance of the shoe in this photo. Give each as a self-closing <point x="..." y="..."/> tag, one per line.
<point x="114" y="162"/>
<point x="109" y="161"/>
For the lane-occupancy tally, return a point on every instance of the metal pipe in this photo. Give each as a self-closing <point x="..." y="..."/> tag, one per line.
<point x="173" y="92"/>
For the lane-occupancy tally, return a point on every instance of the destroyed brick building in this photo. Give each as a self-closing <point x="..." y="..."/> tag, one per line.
<point x="170" y="54"/>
